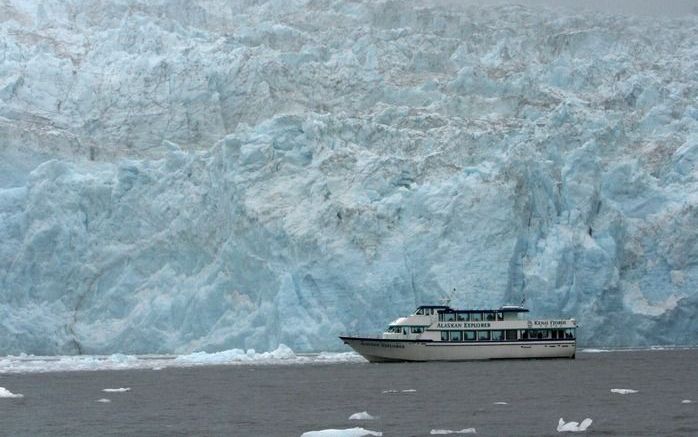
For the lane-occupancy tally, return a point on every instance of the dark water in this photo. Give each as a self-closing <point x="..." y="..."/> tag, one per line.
<point x="289" y="400"/>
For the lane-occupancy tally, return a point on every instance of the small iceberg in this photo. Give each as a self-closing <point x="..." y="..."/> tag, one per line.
<point x="103" y="400"/>
<point x="361" y="416"/>
<point x="117" y="390"/>
<point x="5" y="393"/>
<point x="623" y="391"/>
<point x="389" y="391"/>
<point x="686" y="401"/>
<point x="409" y="390"/>
<point x="448" y="431"/>
<point x="500" y="403"/>
<point x="350" y="432"/>
<point x="573" y="426"/>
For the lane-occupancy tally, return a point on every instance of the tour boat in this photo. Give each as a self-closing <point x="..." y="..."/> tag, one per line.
<point x="441" y="333"/>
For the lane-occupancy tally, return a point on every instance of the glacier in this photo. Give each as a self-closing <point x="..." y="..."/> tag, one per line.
<point x="180" y="176"/>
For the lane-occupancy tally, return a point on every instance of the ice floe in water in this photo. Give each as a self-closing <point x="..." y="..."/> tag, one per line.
<point x="409" y="390"/>
<point x="116" y="390"/>
<point x="623" y="391"/>
<point x="5" y="393"/>
<point x="282" y="355"/>
<point x="573" y="426"/>
<point x="448" y="431"/>
<point x="350" y="432"/>
<point x="686" y="401"/>
<point x="501" y="403"/>
<point x="361" y="416"/>
<point x="103" y="401"/>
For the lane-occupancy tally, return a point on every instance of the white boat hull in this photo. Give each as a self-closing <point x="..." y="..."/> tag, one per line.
<point x="383" y="350"/>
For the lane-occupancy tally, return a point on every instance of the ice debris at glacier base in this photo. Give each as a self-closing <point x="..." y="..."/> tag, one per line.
<point x="280" y="356"/>
<point x="191" y="177"/>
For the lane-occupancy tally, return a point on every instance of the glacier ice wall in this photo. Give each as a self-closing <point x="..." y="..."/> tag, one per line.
<point x="202" y="175"/>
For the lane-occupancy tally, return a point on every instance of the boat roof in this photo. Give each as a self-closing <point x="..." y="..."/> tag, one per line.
<point x="502" y="309"/>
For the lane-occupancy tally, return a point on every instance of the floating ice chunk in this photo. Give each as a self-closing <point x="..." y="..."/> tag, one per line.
<point x="500" y="403"/>
<point x="573" y="426"/>
<point x="448" y="431"/>
<point x="117" y="390"/>
<point x="5" y="393"/>
<point x="623" y="391"/>
<point x="595" y="351"/>
<point x="409" y="390"/>
<point x="103" y="400"/>
<point x="390" y="391"/>
<point x="361" y="416"/>
<point x="350" y="432"/>
<point x="686" y="401"/>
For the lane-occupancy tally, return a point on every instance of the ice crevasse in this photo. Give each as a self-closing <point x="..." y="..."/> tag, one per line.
<point x="209" y="176"/>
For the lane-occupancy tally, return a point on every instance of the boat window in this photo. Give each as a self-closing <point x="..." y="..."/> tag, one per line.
<point x="475" y="316"/>
<point x="511" y="334"/>
<point x="444" y="335"/>
<point x="497" y="335"/>
<point x="419" y="312"/>
<point x="417" y="329"/>
<point x="524" y="334"/>
<point x="461" y="317"/>
<point x="455" y="336"/>
<point x="569" y="334"/>
<point x="490" y="316"/>
<point x="541" y="334"/>
<point x="449" y="317"/>
<point x="500" y="316"/>
<point x="469" y="335"/>
<point x="483" y="335"/>
<point x="404" y="331"/>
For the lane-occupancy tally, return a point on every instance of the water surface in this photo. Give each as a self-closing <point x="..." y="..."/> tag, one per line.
<point x="288" y="400"/>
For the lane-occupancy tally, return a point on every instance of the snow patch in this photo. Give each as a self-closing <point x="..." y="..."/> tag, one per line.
<point x="361" y="416"/>
<point x="350" y="432"/>
<point x="573" y="426"/>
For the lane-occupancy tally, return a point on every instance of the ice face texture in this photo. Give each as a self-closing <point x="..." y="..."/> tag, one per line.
<point x="183" y="176"/>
